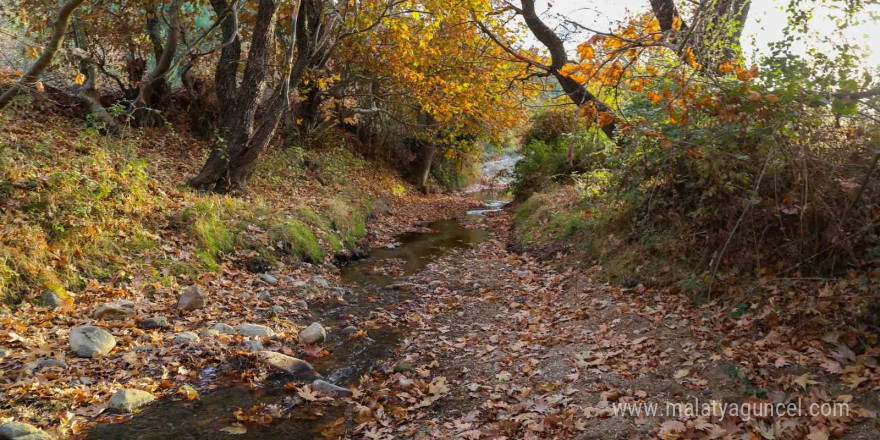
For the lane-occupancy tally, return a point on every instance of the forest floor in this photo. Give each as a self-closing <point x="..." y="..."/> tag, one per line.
<point x="504" y="346"/>
<point x="496" y="345"/>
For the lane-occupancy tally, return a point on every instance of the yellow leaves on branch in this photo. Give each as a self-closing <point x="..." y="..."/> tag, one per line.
<point x="654" y="97"/>
<point x="605" y="118"/>
<point x="586" y="51"/>
<point x="692" y="59"/>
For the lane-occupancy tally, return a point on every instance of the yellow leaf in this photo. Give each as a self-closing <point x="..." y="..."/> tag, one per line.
<point x="586" y="51"/>
<point x="725" y="67"/>
<point x="33" y="52"/>
<point x="80" y="78"/>
<point x="654" y="97"/>
<point x="605" y="118"/>
<point x="39" y="86"/>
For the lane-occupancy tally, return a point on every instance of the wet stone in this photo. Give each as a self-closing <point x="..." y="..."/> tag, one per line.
<point x="329" y="388"/>
<point x="313" y="334"/>
<point x="287" y="364"/>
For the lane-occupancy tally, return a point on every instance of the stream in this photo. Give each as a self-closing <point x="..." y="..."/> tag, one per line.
<point x="366" y="290"/>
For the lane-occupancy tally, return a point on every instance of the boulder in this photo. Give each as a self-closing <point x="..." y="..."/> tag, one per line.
<point x="125" y="401"/>
<point x="154" y="323"/>
<point x="254" y="330"/>
<point x="313" y="334"/>
<point x="89" y="341"/>
<point x="193" y="298"/>
<point x="289" y="365"/>
<point x="328" y="388"/>
<point x="22" y="431"/>
<point x="115" y="310"/>
<point x="187" y="338"/>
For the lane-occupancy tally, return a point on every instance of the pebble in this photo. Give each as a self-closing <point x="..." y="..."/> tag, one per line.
<point x="301" y="305"/>
<point x="43" y="364"/>
<point x="350" y="330"/>
<point x="264" y="295"/>
<point x="319" y="280"/>
<point x="268" y="278"/>
<point x="252" y="345"/>
<point x="210" y="333"/>
<point x="329" y="388"/>
<point x="313" y="334"/>
<point x="223" y="328"/>
<point x="187" y="338"/>
<point x="89" y="341"/>
<point x="153" y="323"/>
<point x="193" y="298"/>
<point x="404" y="366"/>
<point x="125" y="401"/>
<point x="277" y="310"/>
<point x="254" y="330"/>
<point x="289" y="365"/>
<point x="114" y="310"/>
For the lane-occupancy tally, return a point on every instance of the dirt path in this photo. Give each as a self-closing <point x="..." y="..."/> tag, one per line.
<point x="503" y="346"/>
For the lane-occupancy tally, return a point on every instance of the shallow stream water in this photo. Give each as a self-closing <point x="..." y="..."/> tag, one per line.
<point x="367" y="289"/>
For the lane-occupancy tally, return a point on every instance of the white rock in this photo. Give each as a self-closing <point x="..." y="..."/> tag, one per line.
<point x="328" y="388"/>
<point x="254" y="330"/>
<point x="124" y="401"/>
<point x="187" y="338"/>
<point x="90" y="341"/>
<point x="313" y="334"/>
<point x="224" y="328"/>
<point x="115" y="310"/>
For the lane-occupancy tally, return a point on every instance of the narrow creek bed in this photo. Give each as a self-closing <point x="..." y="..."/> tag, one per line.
<point x="370" y="284"/>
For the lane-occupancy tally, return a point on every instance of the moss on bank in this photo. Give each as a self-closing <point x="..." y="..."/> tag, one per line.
<point x="78" y="206"/>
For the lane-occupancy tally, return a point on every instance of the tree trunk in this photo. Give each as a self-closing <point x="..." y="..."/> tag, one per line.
<point x="427" y="161"/>
<point x="141" y="111"/>
<point x="242" y="135"/>
<point x="33" y="73"/>
<point x="88" y="94"/>
<point x="558" y="58"/>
